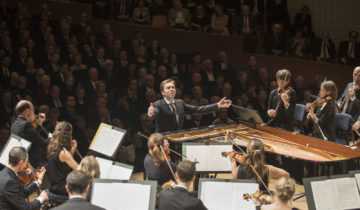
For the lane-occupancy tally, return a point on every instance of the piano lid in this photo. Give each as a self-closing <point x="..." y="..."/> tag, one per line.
<point x="277" y="141"/>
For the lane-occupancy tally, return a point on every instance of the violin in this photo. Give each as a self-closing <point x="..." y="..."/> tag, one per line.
<point x="29" y="175"/>
<point x="240" y="158"/>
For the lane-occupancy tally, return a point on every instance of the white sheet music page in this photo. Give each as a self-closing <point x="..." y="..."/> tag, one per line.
<point x="209" y="157"/>
<point x="218" y="195"/>
<point x="336" y="194"/>
<point x="347" y="194"/>
<point x="324" y="200"/>
<point x="121" y="196"/>
<point x="106" y="140"/>
<point x="357" y="177"/>
<point x="13" y="142"/>
<point x="108" y="170"/>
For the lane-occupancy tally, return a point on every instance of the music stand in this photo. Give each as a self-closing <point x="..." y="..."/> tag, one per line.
<point x="114" y="170"/>
<point x="13" y="141"/>
<point x="226" y="194"/>
<point x="107" y="140"/>
<point x="208" y="155"/>
<point x="120" y="195"/>
<point x="309" y="192"/>
<point x="248" y="115"/>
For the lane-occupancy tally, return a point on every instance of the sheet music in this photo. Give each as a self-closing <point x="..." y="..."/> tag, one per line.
<point x="208" y="156"/>
<point x="336" y="194"/>
<point x="121" y="196"/>
<point x="357" y="177"/>
<point x="13" y="142"/>
<point x="109" y="170"/>
<point x="218" y="195"/>
<point x="107" y="140"/>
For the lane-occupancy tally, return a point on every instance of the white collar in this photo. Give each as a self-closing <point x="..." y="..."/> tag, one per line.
<point x="169" y="101"/>
<point x="76" y="196"/>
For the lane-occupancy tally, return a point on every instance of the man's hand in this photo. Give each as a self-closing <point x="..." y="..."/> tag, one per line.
<point x="151" y="110"/>
<point x="224" y="103"/>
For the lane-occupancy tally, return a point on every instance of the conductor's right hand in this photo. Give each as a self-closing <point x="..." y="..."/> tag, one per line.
<point x="151" y="110"/>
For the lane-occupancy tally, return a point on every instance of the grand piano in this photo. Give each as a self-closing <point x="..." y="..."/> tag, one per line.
<point x="276" y="141"/>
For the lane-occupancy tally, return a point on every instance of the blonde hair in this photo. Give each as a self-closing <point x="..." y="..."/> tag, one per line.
<point x="285" y="189"/>
<point x="90" y="166"/>
<point x="330" y="86"/>
<point x="61" y="138"/>
<point x="155" y="141"/>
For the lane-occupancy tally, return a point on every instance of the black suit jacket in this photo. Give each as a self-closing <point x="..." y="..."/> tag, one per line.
<point x="24" y="129"/>
<point x="13" y="193"/>
<point x="179" y="199"/>
<point x="77" y="204"/>
<point x="285" y="117"/>
<point x="165" y="119"/>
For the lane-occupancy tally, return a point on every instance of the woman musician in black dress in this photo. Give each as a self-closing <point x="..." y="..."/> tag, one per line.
<point x="252" y="166"/>
<point x="157" y="163"/>
<point x="322" y="112"/>
<point x="61" y="162"/>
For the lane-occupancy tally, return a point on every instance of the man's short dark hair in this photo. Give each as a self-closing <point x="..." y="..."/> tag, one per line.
<point x="185" y="170"/>
<point x="22" y="105"/>
<point x="77" y="182"/>
<point x="16" y="155"/>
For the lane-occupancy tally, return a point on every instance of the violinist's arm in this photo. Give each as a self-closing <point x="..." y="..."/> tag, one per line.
<point x="67" y="157"/>
<point x="276" y="173"/>
<point x="234" y="169"/>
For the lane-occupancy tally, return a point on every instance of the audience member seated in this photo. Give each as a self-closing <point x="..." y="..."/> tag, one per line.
<point x="200" y="21"/>
<point x="349" y="50"/>
<point x="141" y="14"/>
<point x="323" y="49"/>
<point x="276" y="42"/>
<point x="219" y="21"/>
<point x="179" y="17"/>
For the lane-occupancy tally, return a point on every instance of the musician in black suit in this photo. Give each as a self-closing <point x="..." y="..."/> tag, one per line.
<point x="23" y="127"/>
<point x="282" y="101"/>
<point x="323" y="112"/>
<point x="354" y="84"/>
<point x="179" y="197"/>
<point x="77" y="186"/>
<point x="12" y="193"/>
<point x="169" y="113"/>
<point x="350" y="105"/>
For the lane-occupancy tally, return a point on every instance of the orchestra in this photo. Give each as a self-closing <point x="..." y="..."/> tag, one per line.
<point x="58" y="159"/>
